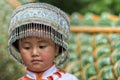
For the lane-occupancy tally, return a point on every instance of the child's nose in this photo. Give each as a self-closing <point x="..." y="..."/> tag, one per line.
<point x="35" y="52"/>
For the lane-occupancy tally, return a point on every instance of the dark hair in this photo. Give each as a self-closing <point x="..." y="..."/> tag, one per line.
<point x="16" y="45"/>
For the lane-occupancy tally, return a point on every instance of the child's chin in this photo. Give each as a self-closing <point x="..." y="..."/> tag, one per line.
<point x="38" y="69"/>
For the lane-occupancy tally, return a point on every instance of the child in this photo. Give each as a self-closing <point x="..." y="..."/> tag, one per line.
<point x="38" y="39"/>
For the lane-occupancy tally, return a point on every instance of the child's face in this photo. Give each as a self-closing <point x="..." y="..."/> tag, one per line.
<point x="38" y="53"/>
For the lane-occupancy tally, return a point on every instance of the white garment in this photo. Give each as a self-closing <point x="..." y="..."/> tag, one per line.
<point x="50" y="72"/>
<point x="68" y="76"/>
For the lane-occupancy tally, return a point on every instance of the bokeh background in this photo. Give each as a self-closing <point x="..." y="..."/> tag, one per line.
<point x="94" y="39"/>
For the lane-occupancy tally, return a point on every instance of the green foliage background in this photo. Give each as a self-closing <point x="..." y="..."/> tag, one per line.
<point x="83" y="6"/>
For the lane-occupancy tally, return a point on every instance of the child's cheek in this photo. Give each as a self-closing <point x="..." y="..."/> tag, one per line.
<point x="47" y="56"/>
<point x="25" y="53"/>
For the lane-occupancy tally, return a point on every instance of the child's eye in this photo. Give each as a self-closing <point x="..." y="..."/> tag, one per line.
<point x="42" y="47"/>
<point x="27" y="48"/>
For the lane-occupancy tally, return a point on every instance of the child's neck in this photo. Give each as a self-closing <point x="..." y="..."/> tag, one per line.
<point x="40" y="73"/>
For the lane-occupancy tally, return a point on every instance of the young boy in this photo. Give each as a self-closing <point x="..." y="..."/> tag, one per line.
<point x="38" y="39"/>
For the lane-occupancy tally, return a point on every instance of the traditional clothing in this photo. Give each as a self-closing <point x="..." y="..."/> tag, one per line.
<point x="41" y="20"/>
<point x="51" y="74"/>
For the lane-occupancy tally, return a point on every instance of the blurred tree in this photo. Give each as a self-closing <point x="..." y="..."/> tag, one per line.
<point x="65" y="5"/>
<point x="83" y="6"/>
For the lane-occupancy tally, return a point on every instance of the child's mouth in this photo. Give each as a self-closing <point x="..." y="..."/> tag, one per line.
<point x="36" y="61"/>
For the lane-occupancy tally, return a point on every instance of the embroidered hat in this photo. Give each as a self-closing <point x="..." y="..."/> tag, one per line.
<point x="41" y="20"/>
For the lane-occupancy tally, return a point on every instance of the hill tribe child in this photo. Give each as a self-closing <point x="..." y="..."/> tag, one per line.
<point x="38" y="39"/>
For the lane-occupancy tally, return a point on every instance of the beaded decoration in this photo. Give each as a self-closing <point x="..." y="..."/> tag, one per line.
<point x="41" y="20"/>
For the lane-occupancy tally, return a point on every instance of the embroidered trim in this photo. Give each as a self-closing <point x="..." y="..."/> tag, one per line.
<point x="24" y="78"/>
<point x="50" y="78"/>
<point x="56" y="75"/>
